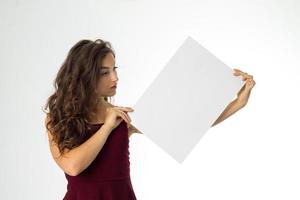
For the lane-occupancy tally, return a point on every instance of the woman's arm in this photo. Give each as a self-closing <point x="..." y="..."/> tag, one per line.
<point x="242" y="96"/>
<point x="234" y="106"/>
<point x="74" y="161"/>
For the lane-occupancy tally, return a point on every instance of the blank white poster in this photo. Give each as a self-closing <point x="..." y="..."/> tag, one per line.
<point x="184" y="100"/>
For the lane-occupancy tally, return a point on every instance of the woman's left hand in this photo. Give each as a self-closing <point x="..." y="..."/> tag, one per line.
<point x="244" y="93"/>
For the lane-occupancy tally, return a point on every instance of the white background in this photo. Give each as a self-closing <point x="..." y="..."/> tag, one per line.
<point x="254" y="154"/>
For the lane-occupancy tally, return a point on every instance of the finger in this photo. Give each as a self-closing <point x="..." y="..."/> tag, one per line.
<point x="247" y="79"/>
<point x="252" y="82"/>
<point x="129" y="119"/>
<point x="125" y="117"/>
<point x="237" y="70"/>
<point x="125" y="111"/>
<point x="235" y="73"/>
<point x="248" y="75"/>
<point x="128" y="109"/>
<point x="245" y="76"/>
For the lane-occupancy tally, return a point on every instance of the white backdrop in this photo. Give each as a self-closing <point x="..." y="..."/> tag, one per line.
<point x="254" y="154"/>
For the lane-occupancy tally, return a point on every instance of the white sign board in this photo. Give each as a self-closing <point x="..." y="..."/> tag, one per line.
<point x="184" y="100"/>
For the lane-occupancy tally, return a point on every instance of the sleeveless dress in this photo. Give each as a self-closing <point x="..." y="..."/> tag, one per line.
<point x="108" y="176"/>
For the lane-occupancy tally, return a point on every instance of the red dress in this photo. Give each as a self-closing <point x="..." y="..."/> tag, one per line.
<point x="108" y="176"/>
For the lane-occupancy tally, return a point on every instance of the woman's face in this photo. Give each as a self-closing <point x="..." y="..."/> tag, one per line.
<point x="108" y="76"/>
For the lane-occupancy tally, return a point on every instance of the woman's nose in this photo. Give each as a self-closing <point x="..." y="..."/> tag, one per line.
<point x="115" y="77"/>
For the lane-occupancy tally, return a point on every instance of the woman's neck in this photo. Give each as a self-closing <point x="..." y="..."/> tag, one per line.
<point x="98" y="115"/>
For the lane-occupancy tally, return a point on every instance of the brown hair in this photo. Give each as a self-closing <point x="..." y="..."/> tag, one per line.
<point x="75" y="91"/>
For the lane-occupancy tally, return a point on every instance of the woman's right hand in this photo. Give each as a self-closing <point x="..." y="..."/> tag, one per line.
<point x="115" y="114"/>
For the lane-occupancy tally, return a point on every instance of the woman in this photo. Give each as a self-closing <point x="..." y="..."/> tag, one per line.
<point x="88" y="136"/>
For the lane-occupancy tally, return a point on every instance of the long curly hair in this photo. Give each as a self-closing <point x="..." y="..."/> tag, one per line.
<point x="68" y="108"/>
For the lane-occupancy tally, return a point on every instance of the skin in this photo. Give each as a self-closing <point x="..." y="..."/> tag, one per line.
<point x="109" y="77"/>
<point x="105" y="112"/>
<point x="75" y="160"/>
<point x="242" y="96"/>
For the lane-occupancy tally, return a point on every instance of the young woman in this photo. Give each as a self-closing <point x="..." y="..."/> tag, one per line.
<point x="88" y="136"/>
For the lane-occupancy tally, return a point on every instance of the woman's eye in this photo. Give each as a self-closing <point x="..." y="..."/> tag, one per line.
<point x="105" y="73"/>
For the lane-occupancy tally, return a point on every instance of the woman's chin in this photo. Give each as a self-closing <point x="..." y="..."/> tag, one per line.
<point x="112" y="93"/>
